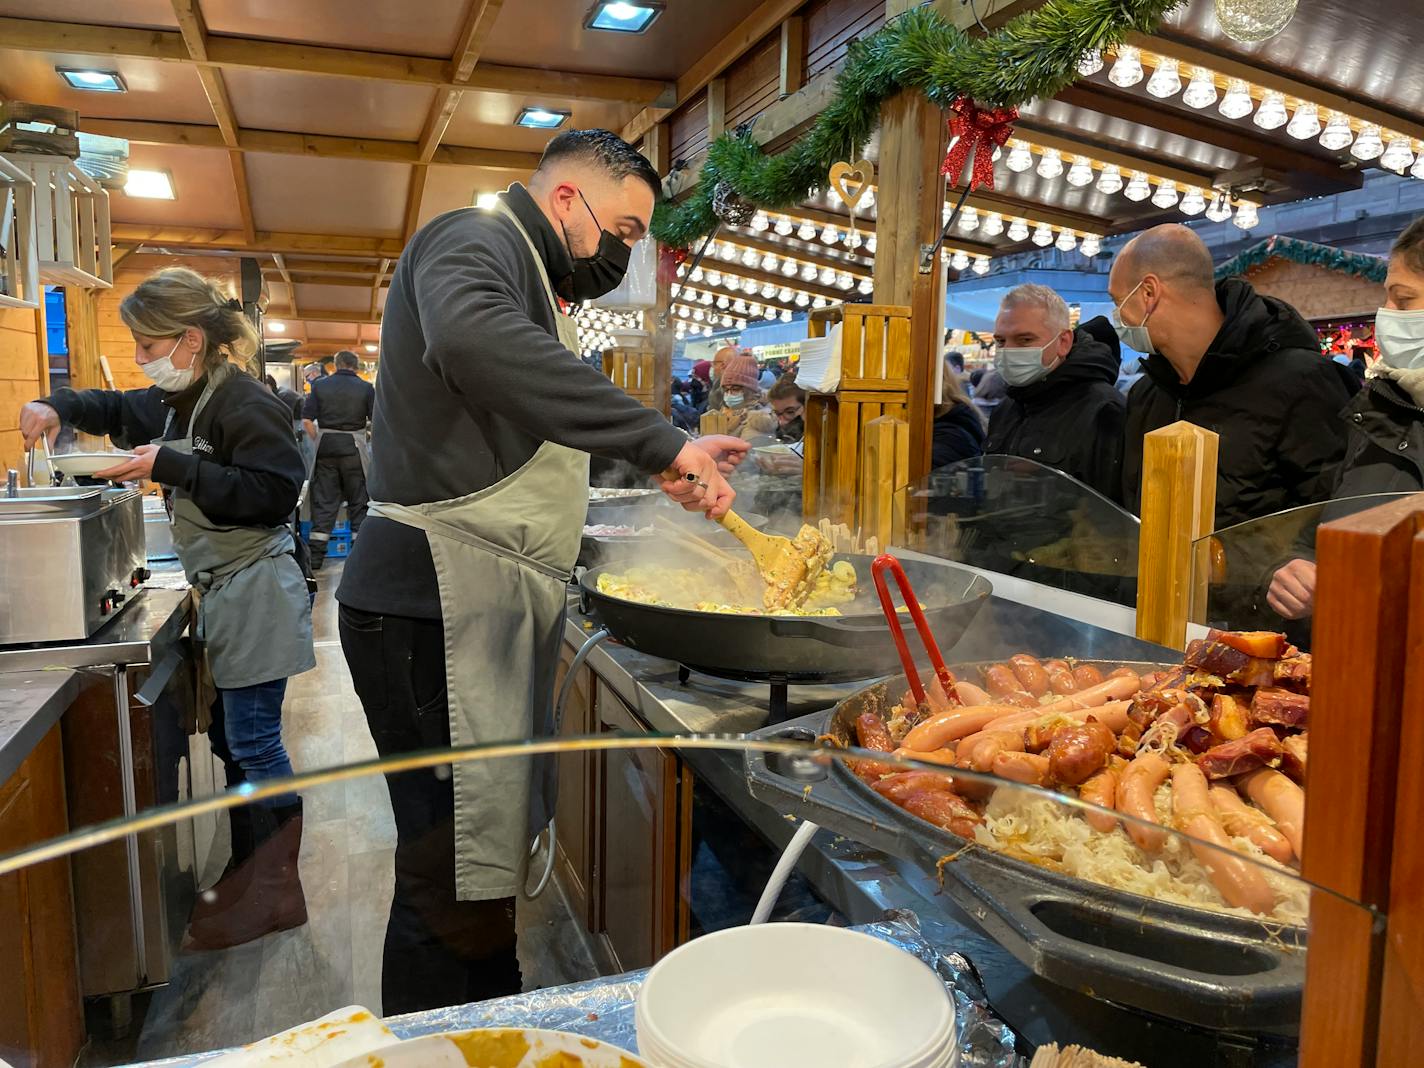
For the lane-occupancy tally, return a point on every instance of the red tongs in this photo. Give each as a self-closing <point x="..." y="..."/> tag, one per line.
<point x="886" y="562"/>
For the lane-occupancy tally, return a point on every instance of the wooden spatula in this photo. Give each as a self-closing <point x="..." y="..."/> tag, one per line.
<point x="789" y="569"/>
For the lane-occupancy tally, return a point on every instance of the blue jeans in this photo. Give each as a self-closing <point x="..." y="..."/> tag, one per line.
<point x="246" y="733"/>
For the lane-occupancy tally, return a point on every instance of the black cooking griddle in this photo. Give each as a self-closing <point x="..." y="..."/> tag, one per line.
<point x="1195" y="966"/>
<point x="791" y="649"/>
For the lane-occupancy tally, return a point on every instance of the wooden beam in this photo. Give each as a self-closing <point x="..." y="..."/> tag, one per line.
<point x="479" y="21"/>
<point x="136" y="234"/>
<point x="287" y="278"/>
<point x="376" y="286"/>
<point x="414" y="192"/>
<point x="1125" y="162"/>
<point x="325" y="315"/>
<point x="818" y="256"/>
<point x="238" y="163"/>
<point x="643" y="123"/>
<point x="793" y="54"/>
<point x="716" y="108"/>
<point x="283" y="143"/>
<point x="764" y="20"/>
<point x="302" y="278"/>
<point x="1035" y="212"/>
<point x="307" y="265"/>
<point x="252" y="53"/>
<point x="1266" y="78"/>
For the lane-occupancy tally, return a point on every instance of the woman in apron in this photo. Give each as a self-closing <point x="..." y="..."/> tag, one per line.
<point x="221" y="446"/>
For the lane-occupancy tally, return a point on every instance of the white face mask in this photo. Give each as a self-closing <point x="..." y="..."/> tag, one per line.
<point x="734" y="400"/>
<point x="1134" y="337"/>
<point x="165" y="376"/>
<point x="1400" y="337"/>
<point x="1022" y="367"/>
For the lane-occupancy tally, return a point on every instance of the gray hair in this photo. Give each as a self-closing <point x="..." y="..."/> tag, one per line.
<point x="1055" y="311"/>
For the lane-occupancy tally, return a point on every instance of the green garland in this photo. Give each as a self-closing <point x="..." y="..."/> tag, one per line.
<point x="1033" y="55"/>
<point x="1359" y="264"/>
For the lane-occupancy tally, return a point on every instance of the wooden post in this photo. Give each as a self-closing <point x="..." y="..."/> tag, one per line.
<point x="658" y="321"/>
<point x="793" y="55"/>
<point x="716" y="108"/>
<point x="1178" y="508"/>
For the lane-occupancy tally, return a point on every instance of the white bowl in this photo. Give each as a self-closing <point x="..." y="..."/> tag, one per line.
<point x="792" y="995"/>
<point x="88" y="463"/>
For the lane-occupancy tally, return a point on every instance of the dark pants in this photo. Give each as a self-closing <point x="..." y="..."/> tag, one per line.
<point x="439" y="951"/>
<point x="335" y="479"/>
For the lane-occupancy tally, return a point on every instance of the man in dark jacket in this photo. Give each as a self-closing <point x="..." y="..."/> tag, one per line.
<point x="1228" y="359"/>
<point x="335" y="414"/>
<point x="1062" y="409"/>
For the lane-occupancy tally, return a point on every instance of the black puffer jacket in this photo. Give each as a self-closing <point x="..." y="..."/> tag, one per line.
<point x="1071" y="420"/>
<point x="958" y="435"/>
<point x="1264" y="387"/>
<point x="1386" y="450"/>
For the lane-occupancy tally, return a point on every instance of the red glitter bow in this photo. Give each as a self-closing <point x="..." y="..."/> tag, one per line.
<point x="978" y="131"/>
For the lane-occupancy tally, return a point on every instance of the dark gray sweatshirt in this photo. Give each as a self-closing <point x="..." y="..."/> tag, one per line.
<point x="472" y="380"/>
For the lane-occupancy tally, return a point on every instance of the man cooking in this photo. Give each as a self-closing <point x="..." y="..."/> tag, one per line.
<point x="452" y="599"/>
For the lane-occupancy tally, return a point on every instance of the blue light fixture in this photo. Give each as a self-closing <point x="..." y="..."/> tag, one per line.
<point x="621" y="16"/>
<point x="93" y="81"/>
<point x="537" y="118"/>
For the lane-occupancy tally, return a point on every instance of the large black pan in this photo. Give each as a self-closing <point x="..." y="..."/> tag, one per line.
<point x="597" y="549"/>
<point x="795" y="649"/>
<point x="1203" y="968"/>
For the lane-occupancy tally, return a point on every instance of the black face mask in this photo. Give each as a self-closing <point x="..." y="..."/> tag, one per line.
<point x="792" y="431"/>
<point x="598" y="274"/>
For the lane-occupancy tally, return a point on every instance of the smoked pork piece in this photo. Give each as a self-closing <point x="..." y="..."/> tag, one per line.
<point x="1273" y="706"/>
<point x="1218" y="659"/>
<point x="1229" y="716"/>
<point x="871" y="733"/>
<point x="946" y="809"/>
<point x="1265" y="644"/>
<point x="1294" y="672"/>
<point x="1259" y="749"/>
<point x="1293" y="760"/>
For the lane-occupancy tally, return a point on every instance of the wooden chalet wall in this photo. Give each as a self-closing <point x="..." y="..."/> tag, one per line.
<point x="21" y="380"/>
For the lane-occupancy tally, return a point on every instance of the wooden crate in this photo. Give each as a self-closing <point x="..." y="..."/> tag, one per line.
<point x="19" y="266"/>
<point x="631" y="370"/>
<point x="73" y="240"/>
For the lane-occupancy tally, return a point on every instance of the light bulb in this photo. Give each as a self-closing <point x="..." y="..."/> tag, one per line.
<point x="1091" y="245"/>
<point x="1043" y="235"/>
<point x="769" y="262"/>
<point x="828" y="276"/>
<point x="1246" y="216"/>
<point x="1193" y="203"/>
<point x="1081" y="173"/>
<point x="1127" y="68"/>
<point x="1020" y="158"/>
<point x="704" y="298"/>
<point x="1368" y="145"/>
<point x="1220" y="209"/>
<point x="706" y="331"/>
<point x="1110" y="181"/>
<point x="853" y="240"/>
<point x="784" y="294"/>
<point x="1067" y="241"/>
<point x="714" y="278"/>
<point x="727" y="320"/>
<point x="740" y="324"/>
<point x="1399" y="155"/>
<point x="754" y="311"/>
<point x="740" y="306"/>
<point x="870" y="244"/>
<point x="1271" y="115"/>
<point x="727" y="251"/>
<point x="788" y="268"/>
<point x="969" y="220"/>
<point x="750" y="257"/>
<point x="819" y="303"/>
<point x="802" y="299"/>
<point x="760" y="221"/>
<point x="683" y="311"/>
<point x="1417" y="171"/>
<point x="1237" y="103"/>
<point x="1165" y="81"/>
<point x="1137" y="189"/>
<point x="1166" y="195"/>
<point x="981" y="264"/>
<point x="768" y="291"/>
<point x="806" y="231"/>
<point x="698" y="315"/>
<point x="833" y="196"/>
<point x="868" y="200"/>
<point x="1018" y="230"/>
<point x="783" y="226"/>
<point x="830" y="235"/>
<point x="1337" y="133"/>
<point x="808" y="272"/>
<point x="993" y="224"/>
<point x="1201" y="90"/>
<point x="723" y="302"/>
<point x="1305" y="122"/>
<point x="866" y="287"/>
<point x="845" y="280"/>
<point x="1090" y="63"/>
<point x="785" y="315"/>
<point x="1051" y="164"/>
<point x="959" y="261"/>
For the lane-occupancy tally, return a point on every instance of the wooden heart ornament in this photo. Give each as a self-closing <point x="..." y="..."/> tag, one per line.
<point x="851" y="180"/>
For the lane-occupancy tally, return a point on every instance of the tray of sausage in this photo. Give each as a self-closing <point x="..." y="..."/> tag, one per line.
<point x="1214" y="746"/>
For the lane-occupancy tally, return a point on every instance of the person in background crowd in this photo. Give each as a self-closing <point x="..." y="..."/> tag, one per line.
<point x="336" y="415"/>
<point x="788" y="404"/>
<point x="684" y="412"/>
<point x="955" y="359"/>
<point x="719" y="364"/>
<point x="767" y="377"/>
<point x="1228" y="359"/>
<point x="958" y="425"/>
<point x="1061" y="408"/>
<point x="221" y="446"/>
<point x="989" y="391"/>
<point x="742" y="394"/>
<point x="1386" y="418"/>
<point x="290" y="397"/>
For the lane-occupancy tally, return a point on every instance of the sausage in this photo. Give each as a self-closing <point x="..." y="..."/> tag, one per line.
<point x="943" y="757"/>
<point x="970" y="695"/>
<point x="1118" y="688"/>
<point x="1122" y="673"/>
<point x="872" y="733"/>
<point x="1280" y="799"/>
<point x="1060" y="677"/>
<point x="1113" y="715"/>
<point x="936" y="697"/>
<point x="1149" y="680"/>
<point x="1243" y="821"/>
<point x="1030" y="673"/>
<point x="902" y="784"/>
<point x="1136" y="787"/>
<point x="999" y="679"/>
<point x="945" y="727"/>
<point x="983" y="755"/>
<point x="1020" y="699"/>
<point x="1086" y="675"/>
<point x="1100" y="790"/>
<point x="1238" y="879"/>
<point x="1080" y="751"/>
<point x="946" y="809"/>
<point x="1029" y="768"/>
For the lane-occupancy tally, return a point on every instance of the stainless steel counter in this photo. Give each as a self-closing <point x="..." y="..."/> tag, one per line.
<point x="30" y="704"/>
<point x="153" y="617"/>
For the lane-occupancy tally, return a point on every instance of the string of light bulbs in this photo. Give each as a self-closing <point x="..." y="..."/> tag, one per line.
<point x="787" y="223"/>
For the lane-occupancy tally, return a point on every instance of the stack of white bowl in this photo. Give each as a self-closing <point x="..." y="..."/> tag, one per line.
<point x="794" y="995"/>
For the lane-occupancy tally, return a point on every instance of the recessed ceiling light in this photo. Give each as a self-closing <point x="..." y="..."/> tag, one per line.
<point x="156" y="185"/>
<point x="276" y="327"/>
<point x="370" y="347"/>
<point x="486" y="200"/>
<point x="541" y="118"/>
<point x="621" y="16"/>
<point x="95" y="81"/>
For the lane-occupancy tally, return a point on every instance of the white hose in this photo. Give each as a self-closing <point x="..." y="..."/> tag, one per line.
<point x="784" y="867"/>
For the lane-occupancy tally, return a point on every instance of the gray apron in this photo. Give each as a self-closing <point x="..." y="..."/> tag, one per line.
<point x="253" y="620"/>
<point x="503" y="557"/>
<point x="363" y="448"/>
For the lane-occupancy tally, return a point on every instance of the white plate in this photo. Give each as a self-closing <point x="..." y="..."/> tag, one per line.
<point x="346" y="1036"/>
<point x="88" y="463"/>
<point x="501" y="1047"/>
